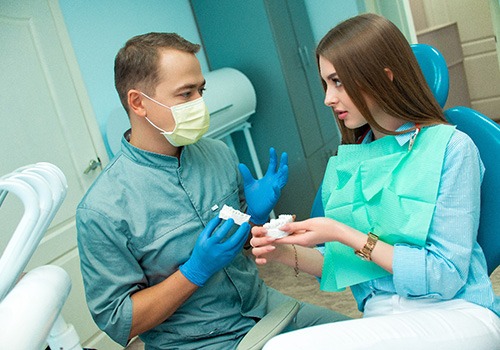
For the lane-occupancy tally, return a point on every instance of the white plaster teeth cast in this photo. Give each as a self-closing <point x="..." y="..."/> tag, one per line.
<point x="273" y="227"/>
<point x="229" y="212"/>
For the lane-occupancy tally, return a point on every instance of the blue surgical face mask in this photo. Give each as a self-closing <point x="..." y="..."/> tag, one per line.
<point x="192" y="121"/>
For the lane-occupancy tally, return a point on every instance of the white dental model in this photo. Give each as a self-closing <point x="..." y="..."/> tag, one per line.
<point x="273" y="227"/>
<point x="229" y="212"/>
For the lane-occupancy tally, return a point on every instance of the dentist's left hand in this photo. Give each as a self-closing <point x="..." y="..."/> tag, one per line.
<point x="210" y="254"/>
<point x="263" y="194"/>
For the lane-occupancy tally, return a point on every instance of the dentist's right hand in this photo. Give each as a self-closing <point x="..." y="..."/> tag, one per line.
<point x="210" y="254"/>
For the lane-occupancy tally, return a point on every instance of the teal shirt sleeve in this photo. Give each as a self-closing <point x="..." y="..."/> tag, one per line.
<point x="440" y="269"/>
<point x="113" y="271"/>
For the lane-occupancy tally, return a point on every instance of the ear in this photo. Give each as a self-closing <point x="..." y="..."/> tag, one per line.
<point x="389" y="74"/>
<point x="134" y="99"/>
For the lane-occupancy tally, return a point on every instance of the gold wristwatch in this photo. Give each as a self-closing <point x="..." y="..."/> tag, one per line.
<point x="366" y="252"/>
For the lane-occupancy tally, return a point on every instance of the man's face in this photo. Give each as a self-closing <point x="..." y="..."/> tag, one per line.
<point x="181" y="81"/>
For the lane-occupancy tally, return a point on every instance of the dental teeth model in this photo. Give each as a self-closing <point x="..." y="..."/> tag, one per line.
<point x="273" y="227"/>
<point x="229" y="212"/>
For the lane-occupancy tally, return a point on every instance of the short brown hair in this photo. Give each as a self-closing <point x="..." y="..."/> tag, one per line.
<point x="360" y="49"/>
<point x="136" y="64"/>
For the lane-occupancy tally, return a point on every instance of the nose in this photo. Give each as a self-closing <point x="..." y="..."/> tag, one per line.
<point x="331" y="98"/>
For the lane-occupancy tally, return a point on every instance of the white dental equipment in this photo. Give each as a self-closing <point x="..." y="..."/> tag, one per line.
<point x="273" y="227"/>
<point x="30" y="309"/>
<point x="229" y="212"/>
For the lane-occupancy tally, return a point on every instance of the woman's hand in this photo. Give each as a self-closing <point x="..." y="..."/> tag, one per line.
<point x="282" y="250"/>
<point x="309" y="233"/>
<point x="262" y="245"/>
<point x="306" y="233"/>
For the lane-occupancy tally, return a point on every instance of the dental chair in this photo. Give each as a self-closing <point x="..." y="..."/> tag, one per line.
<point x="433" y="65"/>
<point x="486" y="135"/>
<point x="30" y="305"/>
<point x="270" y="325"/>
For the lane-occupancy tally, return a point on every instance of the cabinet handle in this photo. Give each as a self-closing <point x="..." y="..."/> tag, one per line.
<point x="93" y="164"/>
<point x="304" y="57"/>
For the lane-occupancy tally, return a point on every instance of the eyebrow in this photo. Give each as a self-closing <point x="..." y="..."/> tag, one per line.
<point x="189" y="86"/>
<point x="333" y="75"/>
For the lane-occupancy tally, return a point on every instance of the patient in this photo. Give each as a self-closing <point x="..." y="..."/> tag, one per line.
<point x="401" y="200"/>
<point x="154" y="255"/>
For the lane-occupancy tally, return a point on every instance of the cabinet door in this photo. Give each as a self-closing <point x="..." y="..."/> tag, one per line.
<point x="294" y="59"/>
<point x="306" y="47"/>
<point x="296" y="48"/>
<point x="259" y="39"/>
<point x="45" y="117"/>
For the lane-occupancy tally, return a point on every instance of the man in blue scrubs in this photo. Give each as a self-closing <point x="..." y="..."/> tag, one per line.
<point x="156" y="260"/>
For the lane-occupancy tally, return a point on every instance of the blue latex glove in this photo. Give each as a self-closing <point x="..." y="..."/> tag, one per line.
<point x="263" y="194"/>
<point x="210" y="254"/>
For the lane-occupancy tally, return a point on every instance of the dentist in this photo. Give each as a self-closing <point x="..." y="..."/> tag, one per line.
<point x="156" y="260"/>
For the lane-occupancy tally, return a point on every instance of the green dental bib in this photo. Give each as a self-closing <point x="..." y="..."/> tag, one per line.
<point x="383" y="188"/>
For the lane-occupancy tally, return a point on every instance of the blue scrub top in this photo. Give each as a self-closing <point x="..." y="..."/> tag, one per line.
<point x="140" y="220"/>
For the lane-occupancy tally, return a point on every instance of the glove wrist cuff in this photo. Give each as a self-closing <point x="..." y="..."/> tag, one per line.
<point x="258" y="221"/>
<point x="194" y="278"/>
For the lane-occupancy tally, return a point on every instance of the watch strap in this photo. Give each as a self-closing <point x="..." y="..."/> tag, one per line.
<point x="366" y="252"/>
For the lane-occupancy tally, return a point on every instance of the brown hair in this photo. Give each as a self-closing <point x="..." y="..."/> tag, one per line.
<point x="136" y="64"/>
<point x="360" y="48"/>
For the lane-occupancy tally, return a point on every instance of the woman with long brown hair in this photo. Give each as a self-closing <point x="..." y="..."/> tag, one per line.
<point x="401" y="201"/>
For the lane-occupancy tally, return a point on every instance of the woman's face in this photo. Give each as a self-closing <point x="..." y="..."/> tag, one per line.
<point x="337" y="98"/>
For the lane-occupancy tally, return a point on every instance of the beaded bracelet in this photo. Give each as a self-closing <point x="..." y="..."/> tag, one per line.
<point x="296" y="267"/>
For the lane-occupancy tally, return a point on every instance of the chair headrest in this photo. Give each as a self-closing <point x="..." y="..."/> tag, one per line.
<point x="435" y="71"/>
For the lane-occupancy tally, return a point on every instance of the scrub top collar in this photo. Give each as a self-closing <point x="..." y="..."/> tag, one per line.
<point x="147" y="158"/>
